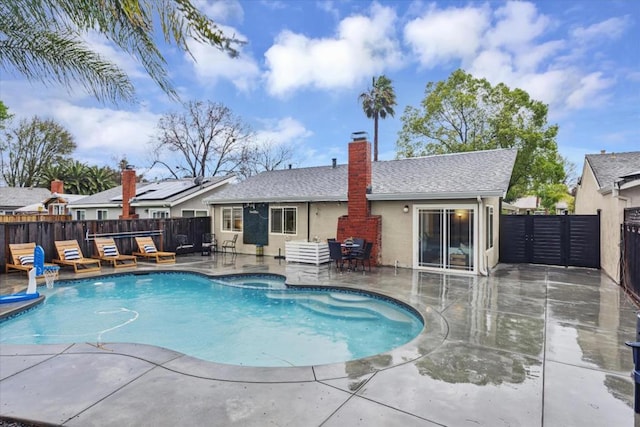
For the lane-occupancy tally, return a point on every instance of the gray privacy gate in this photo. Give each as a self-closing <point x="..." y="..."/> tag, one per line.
<point x="569" y="240"/>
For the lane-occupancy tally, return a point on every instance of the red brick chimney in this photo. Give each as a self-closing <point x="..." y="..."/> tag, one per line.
<point x="57" y="186"/>
<point x="359" y="222"/>
<point x="128" y="193"/>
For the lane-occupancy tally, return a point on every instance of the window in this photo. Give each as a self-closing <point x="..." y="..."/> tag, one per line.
<point x="232" y="219"/>
<point x="284" y="220"/>
<point x="81" y="215"/>
<point x="101" y="214"/>
<point x="157" y="213"/>
<point x="190" y="213"/>
<point x="489" y="227"/>
<point x="57" y="209"/>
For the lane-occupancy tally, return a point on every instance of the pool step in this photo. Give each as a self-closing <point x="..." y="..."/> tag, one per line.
<point x="321" y="308"/>
<point x="344" y="304"/>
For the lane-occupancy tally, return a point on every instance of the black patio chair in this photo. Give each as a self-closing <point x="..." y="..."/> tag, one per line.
<point x="209" y="243"/>
<point x="364" y="256"/>
<point x="335" y="254"/>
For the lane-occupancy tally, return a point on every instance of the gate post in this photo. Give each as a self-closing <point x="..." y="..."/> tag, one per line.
<point x="635" y="348"/>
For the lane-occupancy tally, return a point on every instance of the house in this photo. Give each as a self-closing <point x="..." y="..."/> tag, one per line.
<point x="531" y="205"/>
<point x="161" y="199"/>
<point x="14" y="198"/>
<point x="435" y="212"/>
<point x="52" y="202"/>
<point x="610" y="182"/>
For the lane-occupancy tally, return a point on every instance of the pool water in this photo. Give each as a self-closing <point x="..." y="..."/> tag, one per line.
<point x="242" y="320"/>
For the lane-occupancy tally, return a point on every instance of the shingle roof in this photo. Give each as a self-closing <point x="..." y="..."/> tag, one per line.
<point x="168" y="190"/>
<point x="610" y="167"/>
<point x="22" y="196"/>
<point x="444" y="176"/>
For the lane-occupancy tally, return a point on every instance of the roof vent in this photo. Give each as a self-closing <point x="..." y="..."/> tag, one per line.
<point x="359" y="136"/>
<point x="334" y="162"/>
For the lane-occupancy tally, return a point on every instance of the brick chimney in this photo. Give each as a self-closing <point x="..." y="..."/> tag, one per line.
<point x="359" y="222"/>
<point x="57" y="186"/>
<point x="128" y="193"/>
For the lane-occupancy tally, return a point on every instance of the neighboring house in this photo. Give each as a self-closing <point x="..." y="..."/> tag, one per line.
<point x="435" y="212"/>
<point x="162" y="199"/>
<point x="531" y="205"/>
<point x="14" y="198"/>
<point x="610" y="182"/>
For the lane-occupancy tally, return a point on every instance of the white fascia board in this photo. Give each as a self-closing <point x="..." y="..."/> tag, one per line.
<point x="436" y="196"/>
<point x="199" y="192"/>
<point x="630" y="184"/>
<point x="93" y="205"/>
<point x="213" y="201"/>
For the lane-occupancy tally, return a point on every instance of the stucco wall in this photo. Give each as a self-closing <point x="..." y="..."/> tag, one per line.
<point x="588" y="202"/>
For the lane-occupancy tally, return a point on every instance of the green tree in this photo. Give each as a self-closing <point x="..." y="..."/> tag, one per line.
<point x="4" y="115"/>
<point x="468" y="114"/>
<point x="43" y="40"/>
<point x="378" y="102"/>
<point x="26" y="150"/>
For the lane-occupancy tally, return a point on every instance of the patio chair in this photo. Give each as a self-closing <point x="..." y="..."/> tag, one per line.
<point x="335" y="254"/>
<point x="147" y="250"/>
<point x="209" y="242"/>
<point x="21" y="256"/>
<point x="70" y="254"/>
<point x="184" y="246"/>
<point x="230" y="244"/>
<point x="364" y="256"/>
<point x="108" y="251"/>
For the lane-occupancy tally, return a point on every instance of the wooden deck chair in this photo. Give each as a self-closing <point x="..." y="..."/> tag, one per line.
<point x="108" y="251"/>
<point x="69" y="253"/>
<point x="21" y="257"/>
<point x="147" y="249"/>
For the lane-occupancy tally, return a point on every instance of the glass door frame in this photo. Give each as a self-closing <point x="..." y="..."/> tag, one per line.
<point x="442" y="207"/>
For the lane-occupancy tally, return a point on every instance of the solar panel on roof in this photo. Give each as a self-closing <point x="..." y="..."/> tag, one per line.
<point x="162" y="190"/>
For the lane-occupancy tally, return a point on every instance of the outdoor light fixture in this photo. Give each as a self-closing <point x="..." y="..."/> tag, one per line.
<point x="405" y="209"/>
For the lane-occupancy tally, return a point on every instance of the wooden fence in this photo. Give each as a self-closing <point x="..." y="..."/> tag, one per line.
<point x="163" y="231"/>
<point x="34" y="217"/>
<point x="630" y="253"/>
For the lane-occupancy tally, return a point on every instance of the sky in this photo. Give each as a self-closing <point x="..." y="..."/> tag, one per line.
<point x="304" y="63"/>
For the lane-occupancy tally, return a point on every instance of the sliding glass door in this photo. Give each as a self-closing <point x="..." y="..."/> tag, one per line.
<point x="446" y="237"/>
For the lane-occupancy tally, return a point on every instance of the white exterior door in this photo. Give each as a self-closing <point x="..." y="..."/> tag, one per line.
<point x="445" y="237"/>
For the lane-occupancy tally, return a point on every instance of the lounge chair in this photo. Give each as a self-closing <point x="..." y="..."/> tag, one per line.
<point x="21" y="255"/>
<point x="69" y="253"/>
<point x="147" y="249"/>
<point x="108" y="251"/>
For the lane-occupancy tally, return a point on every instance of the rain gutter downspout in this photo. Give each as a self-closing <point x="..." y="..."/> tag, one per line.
<point x="482" y="261"/>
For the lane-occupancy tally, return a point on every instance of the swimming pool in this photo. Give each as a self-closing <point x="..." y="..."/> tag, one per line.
<point x="252" y="320"/>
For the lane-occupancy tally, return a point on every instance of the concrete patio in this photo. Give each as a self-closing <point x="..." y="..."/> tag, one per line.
<point x="527" y="346"/>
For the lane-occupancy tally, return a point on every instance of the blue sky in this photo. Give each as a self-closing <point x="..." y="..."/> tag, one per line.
<point x="305" y="62"/>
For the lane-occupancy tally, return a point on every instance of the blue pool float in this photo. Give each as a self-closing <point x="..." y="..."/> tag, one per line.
<point x="5" y="299"/>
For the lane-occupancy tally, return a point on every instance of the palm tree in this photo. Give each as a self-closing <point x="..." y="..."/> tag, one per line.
<point x="44" y="40"/>
<point x="378" y="102"/>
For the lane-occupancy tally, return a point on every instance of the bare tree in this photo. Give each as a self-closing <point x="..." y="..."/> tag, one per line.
<point x="26" y="150"/>
<point x="207" y="138"/>
<point x="266" y="157"/>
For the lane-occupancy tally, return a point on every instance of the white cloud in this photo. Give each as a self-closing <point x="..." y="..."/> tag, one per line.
<point x="589" y="92"/>
<point x="218" y="11"/>
<point x="362" y="47"/>
<point x="518" y="25"/>
<point x="443" y="35"/>
<point x="611" y="28"/>
<point x="283" y="131"/>
<point x="212" y="65"/>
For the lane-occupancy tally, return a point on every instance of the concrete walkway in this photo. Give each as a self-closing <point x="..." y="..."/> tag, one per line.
<point x="527" y="346"/>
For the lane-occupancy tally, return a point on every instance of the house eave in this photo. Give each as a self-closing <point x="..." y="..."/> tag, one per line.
<point x="436" y="196"/>
<point x="286" y="199"/>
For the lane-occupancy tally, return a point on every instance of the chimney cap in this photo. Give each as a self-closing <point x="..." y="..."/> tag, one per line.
<point x="359" y="136"/>
<point x="603" y="151"/>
